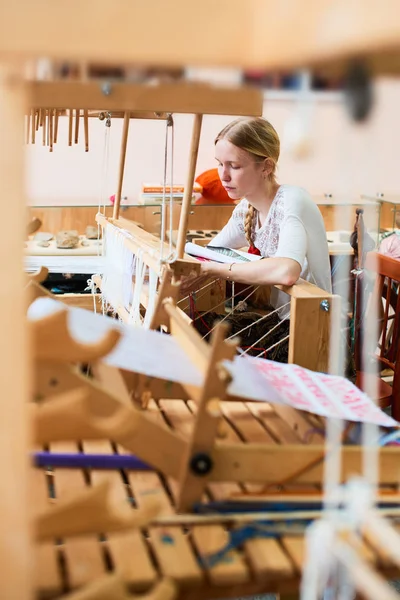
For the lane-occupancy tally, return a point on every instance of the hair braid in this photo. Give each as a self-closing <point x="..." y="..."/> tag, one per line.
<point x="249" y="224"/>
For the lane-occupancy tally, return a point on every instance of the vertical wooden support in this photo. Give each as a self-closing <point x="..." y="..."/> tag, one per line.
<point x="44" y="114"/>
<point x="50" y="129"/>
<point x="86" y="128"/>
<point x="15" y="539"/>
<point x="70" y="126"/>
<point x="77" y="118"/>
<point x="56" y="114"/>
<point x="197" y="461"/>
<point x="312" y="321"/>
<point x="187" y="198"/>
<point x="124" y="142"/>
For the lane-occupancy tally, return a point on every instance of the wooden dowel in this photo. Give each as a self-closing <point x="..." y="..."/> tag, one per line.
<point x="86" y="129"/>
<point x="77" y="117"/>
<point x="41" y="117"/>
<point x="44" y="126"/>
<point x="56" y="115"/>
<point x="70" y="124"/>
<point x="34" y="125"/>
<point x="50" y="134"/>
<point x="15" y="366"/>
<point x="38" y="121"/>
<point x="124" y="142"/>
<point x="187" y="198"/>
<point x="48" y="127"/>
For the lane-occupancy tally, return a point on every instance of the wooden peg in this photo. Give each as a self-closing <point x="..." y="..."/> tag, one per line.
<point x="41" y="114"/>
<point x="70" y="126"/>
<point x="38" y="119"/>
<point x="40" y="275"/>
<point x="48" y="119"/>
<point x="112" y="587"/>
<point x="50" y="130"/>
<point x="33" y="226"/>
<point x="44" y="126"/>
<point x="168" y="289"/>
<point x="52" y="341"/>
<point x="77" y="118"/>
<point x="86" y="128"/>
<point x="35" y="290"/>
<point x="56" y="115"/>
<point x="92" y="511"/>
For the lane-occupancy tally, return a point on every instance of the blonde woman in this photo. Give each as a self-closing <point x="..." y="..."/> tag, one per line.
<point x="279" y="222"/>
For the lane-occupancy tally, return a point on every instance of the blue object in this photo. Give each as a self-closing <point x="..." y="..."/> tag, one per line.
<point x="237" y="537"/>
<point x="89" y="461"/>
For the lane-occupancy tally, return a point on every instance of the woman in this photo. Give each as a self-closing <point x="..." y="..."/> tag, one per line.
<point x="279" y="222"/>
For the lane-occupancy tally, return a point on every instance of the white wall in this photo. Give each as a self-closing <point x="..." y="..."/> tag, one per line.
<point x="345" y="158"/>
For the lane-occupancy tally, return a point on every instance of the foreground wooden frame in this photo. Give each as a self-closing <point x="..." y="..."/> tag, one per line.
<point x="108" y="406"/>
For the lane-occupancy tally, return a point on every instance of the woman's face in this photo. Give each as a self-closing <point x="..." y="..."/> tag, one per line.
<point x="240" y="174"/>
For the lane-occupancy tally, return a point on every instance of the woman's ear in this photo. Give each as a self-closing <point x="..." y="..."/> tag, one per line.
<point x="268" y="167"/>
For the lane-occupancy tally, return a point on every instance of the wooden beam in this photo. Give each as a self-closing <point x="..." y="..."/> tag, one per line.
<point x="187" y="199"/>
<point x="164" y="97"/>
<point x="272" y="464"/>
<point x="124" y="141"/>
<point x="330" y="31"/>
<point x="150" y="246"/>
<point x="15" y="366"/>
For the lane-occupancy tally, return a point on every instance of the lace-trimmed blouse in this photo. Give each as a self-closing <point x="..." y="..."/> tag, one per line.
<point x="294" y="228"/>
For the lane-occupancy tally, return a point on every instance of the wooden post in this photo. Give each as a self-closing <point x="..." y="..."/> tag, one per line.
<point x="312" y="323"/>
<point x="15" y="369"/>
<point x="124" y="142"/>
<point x="187" y="198"/>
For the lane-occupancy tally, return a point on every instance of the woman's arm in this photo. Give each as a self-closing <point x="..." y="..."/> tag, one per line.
<point x="268" y="271"/>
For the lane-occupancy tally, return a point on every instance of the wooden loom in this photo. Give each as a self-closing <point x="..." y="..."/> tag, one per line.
<point x="177" y="438"/>
<point x="34" y="29"/>
<point x="311" y="308"/>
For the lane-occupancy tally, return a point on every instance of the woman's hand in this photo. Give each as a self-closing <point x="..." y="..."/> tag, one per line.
<point x="193" y="281"/>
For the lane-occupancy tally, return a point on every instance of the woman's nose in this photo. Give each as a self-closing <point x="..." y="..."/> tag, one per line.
<point x="225" y="174"/>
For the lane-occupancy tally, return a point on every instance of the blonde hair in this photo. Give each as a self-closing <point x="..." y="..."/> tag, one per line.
<point x="258" y="138"/>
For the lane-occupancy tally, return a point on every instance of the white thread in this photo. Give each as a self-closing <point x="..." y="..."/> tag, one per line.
<point x="92" y="286"/>
<point x="151" y="299"/>
<point x="229" y="314"/>
<point x="140" y="269"/>
<point x="199" y="290"/>
<point x="259" y="320"/>
<point x="273" y="346"/>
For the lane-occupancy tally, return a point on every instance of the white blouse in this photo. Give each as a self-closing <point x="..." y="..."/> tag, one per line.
<point x="294" y="228"/>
